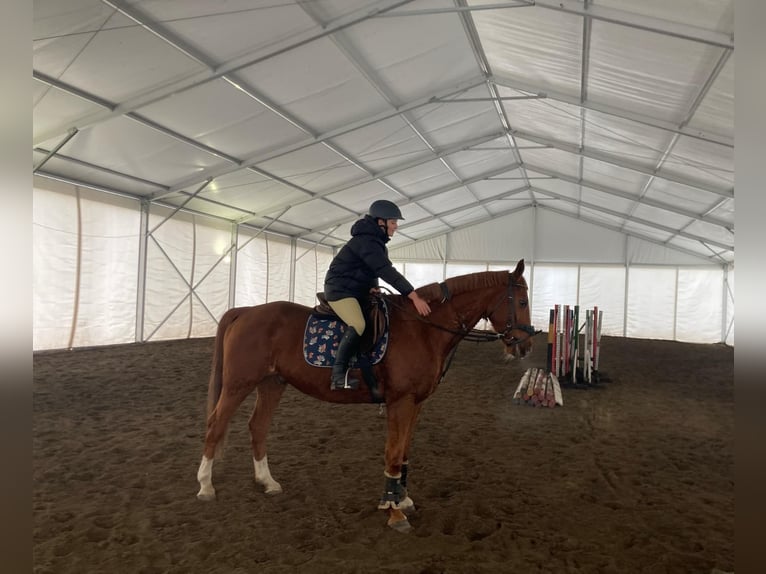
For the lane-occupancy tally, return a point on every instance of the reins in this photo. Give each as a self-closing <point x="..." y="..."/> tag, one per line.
<point x="472" y="335"/>
<point x="466" y="334"/>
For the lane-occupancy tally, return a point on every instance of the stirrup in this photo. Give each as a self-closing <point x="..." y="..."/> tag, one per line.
<point x="347" y="385"/>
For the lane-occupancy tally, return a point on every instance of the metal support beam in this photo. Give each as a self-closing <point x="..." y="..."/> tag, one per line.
<point x="500" y="99"/>
<point x="648" y="23"/>
<point x="630" y="196"/>
<point x="458" y="9"/>
<point x="371" y="76"/>
<point x="233" y="254"/>
<point x="477" y="203"/>
<point x="481" y="59"/>
<point x="204" y="76"/>
<point x="613" y="160"/>
<point x="637" y="220"/>
<point x="263" y="157"/>
<point x="460" y="146"/>
<point x="179" y="208"/>
<point x="625" y="233"/>
<point x="432" y="193"/>
<point x="120" y="193"/>
<point x="143" y="239"/>
<point x="613" y="111"/>
<point x="54" y="151"/>
<point x="465" y="226"/>
<point x="103" y="169"/>
<point x="711" y="78"/>
<point x="584" y="70"/>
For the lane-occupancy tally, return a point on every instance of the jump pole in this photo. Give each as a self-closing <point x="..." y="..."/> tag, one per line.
<point x="551" y="335"/>
<point x="521" y="389"/>
<point x="597" y="344"/>
<point x="556" y="345"/>
<point x="586" y="346"/>
<point x="575" y="337"/>
<point x="567" y="326"/>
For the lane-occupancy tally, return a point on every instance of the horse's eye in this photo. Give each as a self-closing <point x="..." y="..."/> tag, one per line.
<point x="523" y="303"/>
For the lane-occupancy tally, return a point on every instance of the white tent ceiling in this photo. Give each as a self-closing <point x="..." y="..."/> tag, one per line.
<point x="293" y="115"/>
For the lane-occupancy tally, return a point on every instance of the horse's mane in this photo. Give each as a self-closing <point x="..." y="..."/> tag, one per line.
<point x="463" y="283"/>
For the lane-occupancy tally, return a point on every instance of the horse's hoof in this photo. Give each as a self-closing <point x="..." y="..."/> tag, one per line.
<point x="273" y="491"/>
<point x="401" y="525"/>
<point x="206" y="496"/>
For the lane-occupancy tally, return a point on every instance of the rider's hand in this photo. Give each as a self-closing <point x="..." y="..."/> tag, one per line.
<point x="374" y="290"/>
<point x="420" y="304"/>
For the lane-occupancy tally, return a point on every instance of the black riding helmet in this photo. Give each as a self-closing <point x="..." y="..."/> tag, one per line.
<point x="384" y="209"/>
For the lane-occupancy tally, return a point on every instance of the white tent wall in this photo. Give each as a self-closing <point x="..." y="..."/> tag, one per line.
<point x="252" y="283"/>
<point x="645" y="289"/>
<point x="729" y="305"/>
<point x="311" y="265"/>
<point x="187" y="274"/>
<point x="85" y="257"/>
<point x="651" y="303"/>
<point x="87" y="269"/>
<point x="88" y="273"/>
<point x="280" y="268"/>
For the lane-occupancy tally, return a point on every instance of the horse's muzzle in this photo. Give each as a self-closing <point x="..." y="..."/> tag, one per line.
<point x="519" y="344"/>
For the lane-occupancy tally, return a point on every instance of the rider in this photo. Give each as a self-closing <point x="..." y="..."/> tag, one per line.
<point x="354" y="274"/>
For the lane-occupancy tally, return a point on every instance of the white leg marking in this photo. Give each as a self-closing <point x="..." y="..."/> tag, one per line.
<point x="407" y="505"/>
<point x="205" y="479"/>
<point x="263" y="476"/>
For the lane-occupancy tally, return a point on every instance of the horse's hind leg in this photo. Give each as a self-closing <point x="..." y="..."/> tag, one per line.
<point x="217" y="423"/>
<point x="269" y="392"/>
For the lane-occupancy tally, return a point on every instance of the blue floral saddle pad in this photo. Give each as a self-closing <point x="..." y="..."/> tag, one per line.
<point x="323" y="334"/>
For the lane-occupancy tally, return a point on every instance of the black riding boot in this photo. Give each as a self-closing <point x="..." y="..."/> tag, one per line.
<point x="349" y="343"/>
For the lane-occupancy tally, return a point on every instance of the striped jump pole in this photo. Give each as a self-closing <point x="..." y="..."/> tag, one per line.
<point x="597" y="339"/>
<point x="575" y="337"/>
<point x="556" y="342"/>
<point x="567" y="328"/>
<point x="551" y="336"/>
<point x="586" y="346"/>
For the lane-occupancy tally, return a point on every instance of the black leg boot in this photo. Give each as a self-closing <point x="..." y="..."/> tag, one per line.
<point x="346" y="349"/>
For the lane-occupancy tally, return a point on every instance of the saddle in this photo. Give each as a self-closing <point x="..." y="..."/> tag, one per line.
<point x="324" y="329"/>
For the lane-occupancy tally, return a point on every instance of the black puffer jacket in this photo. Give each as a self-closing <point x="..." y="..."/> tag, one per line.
<point x="360" y="262"/>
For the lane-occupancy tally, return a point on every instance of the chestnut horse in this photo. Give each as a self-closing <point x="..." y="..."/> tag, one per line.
<point x="261" y="348"/>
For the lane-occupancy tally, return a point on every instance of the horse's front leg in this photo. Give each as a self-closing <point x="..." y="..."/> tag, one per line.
<point x="269" y="392"/>
<point x="407" y="505"/>
<point x="401" y="418"/>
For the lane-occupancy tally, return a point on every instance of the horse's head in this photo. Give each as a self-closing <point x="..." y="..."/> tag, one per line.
<point x="512" y="316"/>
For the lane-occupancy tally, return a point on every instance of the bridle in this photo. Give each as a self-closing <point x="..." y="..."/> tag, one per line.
<point x="482" y="335"/>
<point x="511" y="322"/>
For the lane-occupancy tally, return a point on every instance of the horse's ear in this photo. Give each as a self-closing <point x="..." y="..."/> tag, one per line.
<point x="519" y="271"/>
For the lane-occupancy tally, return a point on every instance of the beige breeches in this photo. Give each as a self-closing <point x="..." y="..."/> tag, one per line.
<point x="349" y="310"/>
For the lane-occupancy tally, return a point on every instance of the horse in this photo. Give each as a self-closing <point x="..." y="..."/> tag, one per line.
<point x="261" y="348"/>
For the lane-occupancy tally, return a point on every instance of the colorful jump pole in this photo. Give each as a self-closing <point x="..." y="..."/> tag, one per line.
<point x="551" y="335"/>
<point x="597" y="339"/>
<point x="556" y="352"/>
<point x="567" y="336"/>
<point x="575" y="337"/>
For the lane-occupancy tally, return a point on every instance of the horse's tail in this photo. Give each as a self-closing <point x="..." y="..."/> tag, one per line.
<point x="215" y="385"/>
<point x="216" y="370"/>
